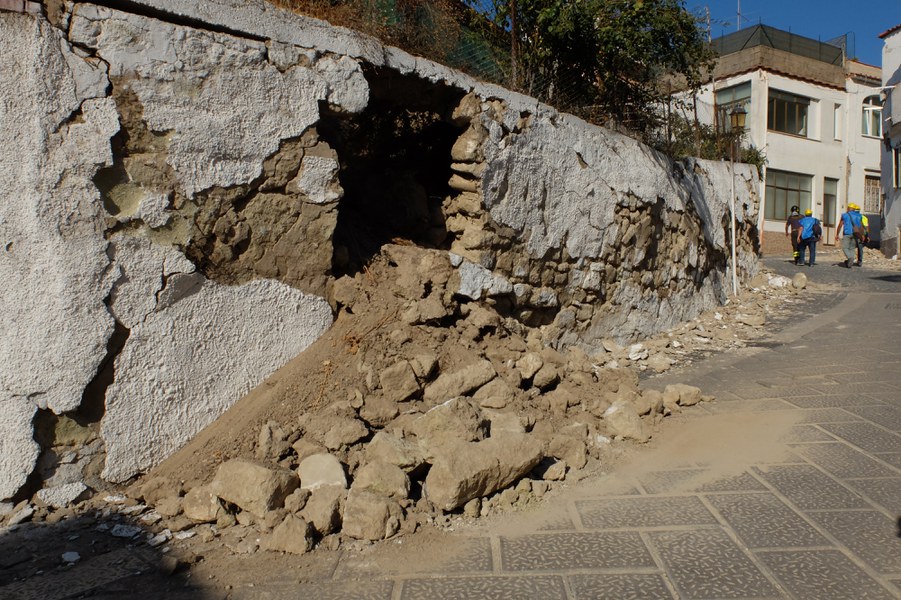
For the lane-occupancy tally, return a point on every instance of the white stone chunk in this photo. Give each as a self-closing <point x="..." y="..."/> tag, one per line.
<point x="476" y="280"/>
<point x="321" y="470"/>
<point x="63" y="495"/>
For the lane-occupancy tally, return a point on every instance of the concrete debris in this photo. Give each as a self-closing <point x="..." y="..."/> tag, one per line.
<point x="624" y="421"/>
<point x="321" y="470"/>
<point x="253" y="487"/>
<point x="202" y="505"/>
<point x="428" y="424"/>
<point x="475" y="417"/>
<point x="371" y="516"/>
<point x="125" y="531"/>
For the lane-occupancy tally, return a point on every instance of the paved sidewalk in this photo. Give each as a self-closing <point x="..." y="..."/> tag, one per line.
<point x="812" y="513"/>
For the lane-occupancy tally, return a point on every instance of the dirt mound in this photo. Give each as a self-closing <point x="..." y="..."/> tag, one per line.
<point x="419" y="403"/>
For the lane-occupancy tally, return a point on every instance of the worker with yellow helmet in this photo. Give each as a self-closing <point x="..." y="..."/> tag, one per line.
<point x="851" y="233"/>
<point x="862" y="242"/>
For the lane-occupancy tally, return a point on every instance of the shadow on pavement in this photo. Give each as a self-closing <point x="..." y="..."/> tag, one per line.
<point x="89" y="556"/>
<point x="889" y="278"/>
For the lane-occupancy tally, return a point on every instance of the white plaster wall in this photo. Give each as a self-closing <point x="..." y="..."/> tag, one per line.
<point x="560" y="182"/>
<point x="223" y="104"/>
<point x="891" y="77"/>
<point x="195" y="347"/>
<point x="54" y="134"/>
<point x="55" y="131"/>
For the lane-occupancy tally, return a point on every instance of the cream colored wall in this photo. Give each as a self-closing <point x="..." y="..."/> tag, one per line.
<point x="820" y="154"/>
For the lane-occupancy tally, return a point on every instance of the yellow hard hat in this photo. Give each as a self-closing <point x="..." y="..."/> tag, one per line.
<point x="852" y="206"/>
<point x="808" y="212"/>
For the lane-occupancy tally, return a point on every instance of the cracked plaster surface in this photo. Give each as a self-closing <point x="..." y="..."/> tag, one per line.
<point x="579" y="173"/>
<point x="224" y="106"/>
<point x="55" y="127"/>
<point x="57" y="124"/>
<point x="192" y="352"/>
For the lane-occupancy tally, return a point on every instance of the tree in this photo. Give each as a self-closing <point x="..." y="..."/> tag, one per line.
<point x="607" y="54"/>
<point x="640" y="43"/>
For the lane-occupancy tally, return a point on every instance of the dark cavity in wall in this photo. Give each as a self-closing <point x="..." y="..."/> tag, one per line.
<point x="395" y="167"/>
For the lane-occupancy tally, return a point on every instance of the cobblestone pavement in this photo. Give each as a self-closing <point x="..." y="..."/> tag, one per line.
<point x="807" y="508"/>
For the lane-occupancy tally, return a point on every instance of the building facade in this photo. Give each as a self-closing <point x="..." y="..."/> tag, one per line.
<point x="817" y="117"/>
<point x="891" y="149"/>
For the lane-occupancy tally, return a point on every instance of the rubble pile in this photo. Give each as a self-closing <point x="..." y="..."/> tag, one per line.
<point x="417" y="405"/>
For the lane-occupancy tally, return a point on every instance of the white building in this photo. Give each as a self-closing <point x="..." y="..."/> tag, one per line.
<point x="815" y="115"/>
<point x="891" y="155"/>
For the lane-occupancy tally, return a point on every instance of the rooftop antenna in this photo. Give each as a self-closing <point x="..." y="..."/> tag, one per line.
<point x="738" y="21"/>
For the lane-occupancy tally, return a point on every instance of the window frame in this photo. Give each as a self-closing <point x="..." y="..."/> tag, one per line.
<point x="871" y="113"/>
<point x="872" y="195"/>
<point x="723" y="108"/>
<point x="784" y="109"/>
<point x="779" y="190"/>
<point x="830" y="200"/>
<point x="896" y="168"/>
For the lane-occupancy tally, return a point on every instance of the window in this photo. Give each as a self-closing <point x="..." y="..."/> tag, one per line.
<point x="784" y="190"/>
<point x="729" y="98"/>
<point x="896" y="168"/>
<point x="871" y="123"/>
<point x="787" y="113"/>
<point x="837" y="122"/>
<point x="830" y="199"/>
<point x="872" y="194"/>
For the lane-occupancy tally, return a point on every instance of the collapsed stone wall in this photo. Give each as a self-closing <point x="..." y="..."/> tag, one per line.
<point x="173" y="187"/>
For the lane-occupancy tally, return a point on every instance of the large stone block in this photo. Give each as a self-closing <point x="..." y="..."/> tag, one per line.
<point x="321" y="470"/>
<point x="293" y="535"/>
<point x="456" y="419"/>
<point x="253" y="487"/>
<point x="622" y="420"/>
<point x="458" y="383"/>
<point x="202" y="505"/>
<point x="399" y="382"/>
<point x="464" y="471"/>
<point x="323" y="509"/>
<point x="370" y="516"/>
<point x="382" y="478"/>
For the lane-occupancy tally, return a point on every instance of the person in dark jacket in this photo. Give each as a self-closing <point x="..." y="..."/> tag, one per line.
<point x="792" y="228"/>
<point x="810" y="233"/>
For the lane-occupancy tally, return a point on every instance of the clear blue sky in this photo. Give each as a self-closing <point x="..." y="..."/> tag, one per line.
<point x="817" y="19"/>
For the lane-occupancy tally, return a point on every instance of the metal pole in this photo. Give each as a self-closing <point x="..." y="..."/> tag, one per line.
<point x="732" y="214"/>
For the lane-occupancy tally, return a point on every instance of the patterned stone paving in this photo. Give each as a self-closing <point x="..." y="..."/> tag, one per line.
<point x="819" y="524"/>
<point x="709" y="564"/>
<point x="561" y="551"/>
